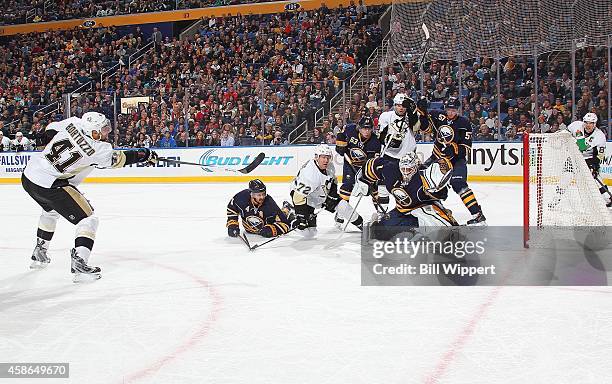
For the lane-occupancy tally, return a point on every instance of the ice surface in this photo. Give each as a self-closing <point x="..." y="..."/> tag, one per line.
<point x="179" y="302"/>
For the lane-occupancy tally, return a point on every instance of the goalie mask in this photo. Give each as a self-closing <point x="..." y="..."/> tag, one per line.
<point x="409" y="165"/>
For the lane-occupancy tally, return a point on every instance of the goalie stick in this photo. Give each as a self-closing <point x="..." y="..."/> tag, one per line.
<point x="249" y="168"/>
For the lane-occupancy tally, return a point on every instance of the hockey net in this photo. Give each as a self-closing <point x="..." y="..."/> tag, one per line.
<point x="559" y="190"/>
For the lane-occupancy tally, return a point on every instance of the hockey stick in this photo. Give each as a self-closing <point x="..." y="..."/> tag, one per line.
<point x="245" y="240"/>
<point x="256" y="161"/>
<point x="271" y="240"/>
<point x="601" y="184"/>
<point x="426" y="45"/>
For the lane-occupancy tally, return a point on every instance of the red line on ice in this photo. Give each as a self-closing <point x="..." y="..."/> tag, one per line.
<point x="202" y="332"/>
<point x="461" y="339"/>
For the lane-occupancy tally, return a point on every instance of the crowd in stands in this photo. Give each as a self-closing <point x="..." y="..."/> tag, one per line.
<point x="251" y="80"/>
<point x="520" y="110"/>
<point x="241" y="80"/>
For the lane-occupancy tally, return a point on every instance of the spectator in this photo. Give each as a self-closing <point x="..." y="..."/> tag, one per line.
<point x="182" y="139"/>
<point x="227" y="136"/>
<point x="167" y="141"/>
<point x="278" y="139"/>
<point x="316" y="137"/>
<point x="198" y="141"/>
<point x="484" y="134"/>
<point x="213" y="140"/>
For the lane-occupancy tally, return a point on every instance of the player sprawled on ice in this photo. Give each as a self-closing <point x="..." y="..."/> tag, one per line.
<point x="76" y="146"/>
<point x="258" y="211"/>
<point x="417" y="194"/>
<point x="315" y="187"/>
<point x="357" y="144"/>
<point x="592" y="143"/>
<point x="452" y="141"/>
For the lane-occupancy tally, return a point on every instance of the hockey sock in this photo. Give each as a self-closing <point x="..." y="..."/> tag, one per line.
<point x="46" y="225"/>
<point x="470" y="202"/>
<point x="83" y="246"/>
<point x="85" y="236"/>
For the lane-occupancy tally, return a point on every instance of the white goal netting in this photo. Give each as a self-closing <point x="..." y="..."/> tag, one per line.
<point x="560" y="188"/>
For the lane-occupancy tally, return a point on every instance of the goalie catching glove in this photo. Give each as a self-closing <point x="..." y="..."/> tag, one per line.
<point x="437" y="175"/>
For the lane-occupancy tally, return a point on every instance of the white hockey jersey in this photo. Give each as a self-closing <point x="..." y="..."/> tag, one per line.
<point x="314" y="183"/>
<point x="24" y="143"/>
<point x="388" y="119"/>
<point x="70" y="155"/>
<point x="5" y="144"/>
<point x="596" y="140"/>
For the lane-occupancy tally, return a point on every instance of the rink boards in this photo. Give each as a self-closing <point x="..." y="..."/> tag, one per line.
<point x="492" y="162"/>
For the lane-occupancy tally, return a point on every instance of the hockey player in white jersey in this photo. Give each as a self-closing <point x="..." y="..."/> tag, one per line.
<point x="51" y="178"/>
<point x="5" y="142"/>
<point x="396" y="127"/>
<point x="591" y="142"/>
<point x="315" y="186"/>
<point x="21" y="143"/>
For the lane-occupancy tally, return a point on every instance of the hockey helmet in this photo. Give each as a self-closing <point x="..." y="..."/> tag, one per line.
<point x="452" y="103"/>
<point x="399" y="99"/>
<point x="323" y="150"/>
<point x="409" y="165"/>
<point x="366" y="123"/>
<point x="257" y="186"/>
<point x="95" y="121"/>
<point x="590" y="118"/>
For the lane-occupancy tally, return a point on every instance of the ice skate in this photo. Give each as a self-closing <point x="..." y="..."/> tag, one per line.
<point x="40" y="259"/>
<point x="81" y="271"/>
<point x="479" y="219"/>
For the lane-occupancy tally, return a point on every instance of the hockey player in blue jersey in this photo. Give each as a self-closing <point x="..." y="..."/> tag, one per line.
<point x="356" y="144"/>
<point x="453" y="141"/>
<point x="258" y="211"/>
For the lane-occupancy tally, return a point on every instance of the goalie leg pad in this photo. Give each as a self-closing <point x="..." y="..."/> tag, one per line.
<point x="345" y="211"/>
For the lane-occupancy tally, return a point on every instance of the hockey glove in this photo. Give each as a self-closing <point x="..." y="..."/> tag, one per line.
<point x="422" y="104"/>
<point x="268" y="230"/>
<point x="152" y="157"/>
<point x="301" y="222"/>
<point x="396" y="140"/>
<point x="331" y="202"/>
<point x="233" y="231"/>
<point x="595" y="172"/>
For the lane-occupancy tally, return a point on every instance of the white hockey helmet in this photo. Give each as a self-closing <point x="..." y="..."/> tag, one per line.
<point x="409" y="165"/>
<point x="323" y="150"/>
<point x="95" y="121"/>
<point x="590" y="118"/>
<point x="399" y="98"/>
